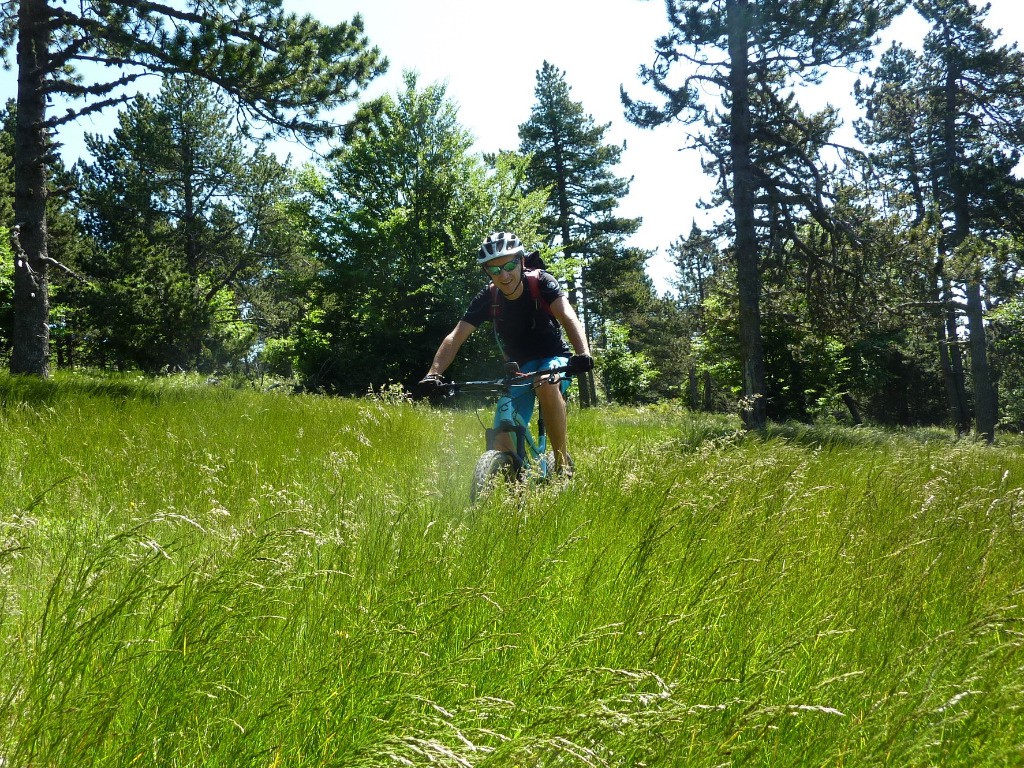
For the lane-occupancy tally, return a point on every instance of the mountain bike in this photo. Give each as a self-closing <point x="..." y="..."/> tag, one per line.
<point x="530" y="460"/>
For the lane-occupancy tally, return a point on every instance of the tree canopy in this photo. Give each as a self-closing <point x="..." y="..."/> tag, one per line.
<point x="400" y="214"/>
<point x="945" y="129"/>
<point x="185" y="217"/>
<point x="881" y="283"/>
<point x="281" y="71"/>
<point x="761" y="147"/>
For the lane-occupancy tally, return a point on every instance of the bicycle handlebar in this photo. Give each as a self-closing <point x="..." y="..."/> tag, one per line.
<point x="499" y="385"/>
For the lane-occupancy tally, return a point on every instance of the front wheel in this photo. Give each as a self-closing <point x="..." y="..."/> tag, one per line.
<point x="491" y="468"/>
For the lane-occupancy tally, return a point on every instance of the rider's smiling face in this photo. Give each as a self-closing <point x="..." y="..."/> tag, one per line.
<point x="506" y="280"/>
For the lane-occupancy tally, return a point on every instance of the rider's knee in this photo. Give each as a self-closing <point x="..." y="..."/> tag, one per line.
<point x="548" y="392"/>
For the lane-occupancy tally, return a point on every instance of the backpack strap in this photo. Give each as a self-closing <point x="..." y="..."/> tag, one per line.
<point x="540" y="304"/>
<point x="496" y="318"/>
<point x="532" y="279"/>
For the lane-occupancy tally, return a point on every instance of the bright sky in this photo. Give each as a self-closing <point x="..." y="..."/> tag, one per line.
<point x="488" y="54"/>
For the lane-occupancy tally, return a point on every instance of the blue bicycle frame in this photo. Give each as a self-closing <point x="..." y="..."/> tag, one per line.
<point x="529" y="451"/>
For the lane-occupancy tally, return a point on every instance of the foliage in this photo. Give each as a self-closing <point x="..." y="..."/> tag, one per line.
<point x="6" y="222"/>
<point x="401" y="214"/>
<point x="619" y="287"/>
<point x="6" y="292"/>
<point x="6" y="168"/>
<point x="1008" y="356"/>
<point x="765" y="152"/>
<point x="278" y="70"/>
<point x="570" y="159"/>
<point x="716" y="349"/>
<point x="281" y="69"/>
<point x="278" y="356"/>
<point x="865" y="272"/>
<point x="945" y="133"/>
<point x="701" y="268"/>
<point x="626" y="375"/>
<point x="194" y="229"/>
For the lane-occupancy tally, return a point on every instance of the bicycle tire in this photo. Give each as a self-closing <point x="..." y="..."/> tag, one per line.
<point x="492" y="467"/>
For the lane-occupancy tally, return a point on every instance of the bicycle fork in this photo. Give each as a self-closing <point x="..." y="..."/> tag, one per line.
<point x="526" y="449"/>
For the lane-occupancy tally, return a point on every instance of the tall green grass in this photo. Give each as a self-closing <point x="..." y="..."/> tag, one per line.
<point x="194" y="576"/>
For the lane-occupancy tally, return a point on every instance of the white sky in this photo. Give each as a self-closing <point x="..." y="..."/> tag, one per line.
<point x="487" y="53"/>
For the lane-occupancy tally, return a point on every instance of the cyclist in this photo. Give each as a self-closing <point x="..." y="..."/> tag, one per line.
<point x="528" y="311"/>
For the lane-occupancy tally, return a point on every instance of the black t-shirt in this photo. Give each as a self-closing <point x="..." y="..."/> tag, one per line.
<point x="527" y="332"/>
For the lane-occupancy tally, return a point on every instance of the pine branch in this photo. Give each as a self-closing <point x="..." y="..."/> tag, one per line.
<point x="54" y="263"/>
<point x="72" y="114"/>
<point x="21" y="259"/>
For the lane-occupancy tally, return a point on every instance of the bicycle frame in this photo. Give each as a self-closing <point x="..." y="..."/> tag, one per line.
<point x="529" y="451"/>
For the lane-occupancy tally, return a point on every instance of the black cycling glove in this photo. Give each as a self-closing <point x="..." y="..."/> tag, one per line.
<point x="429" y="385"/>
<point x="581" y="363"/>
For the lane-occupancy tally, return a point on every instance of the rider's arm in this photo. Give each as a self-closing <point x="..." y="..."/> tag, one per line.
<point x="566" y="315"/>
<point x="449" y="347"/>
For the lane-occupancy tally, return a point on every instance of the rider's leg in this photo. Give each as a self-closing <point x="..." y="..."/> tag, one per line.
<point x="552" y="407"/>
<point x="505" y="442"/>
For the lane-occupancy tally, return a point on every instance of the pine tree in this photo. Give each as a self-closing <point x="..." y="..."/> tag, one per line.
<point x="901" y="150"/>
<point x="280" y="70"/>
<point x="756" y="140"/>
<point x="946" y="131"/>
<point x="571" y="158"/>
<point x="978" y="101"/>
<point x="178" y="194"/>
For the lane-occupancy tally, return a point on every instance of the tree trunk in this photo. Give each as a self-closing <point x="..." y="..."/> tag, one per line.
<point x="753" y="409"/>
<point x="984" y="399"/>
<point x="709" y="393"/>
<point x="950" y="359"/>
<point x="956" y="383"/>
<point x="853" y="408"/>
<point x="31" y="337"/>
<point x="984" y="395"/>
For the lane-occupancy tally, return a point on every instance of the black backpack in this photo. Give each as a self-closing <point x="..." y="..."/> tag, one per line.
<point x="534" y="261"/>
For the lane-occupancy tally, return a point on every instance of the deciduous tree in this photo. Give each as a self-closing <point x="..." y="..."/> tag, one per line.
<point x="402" y="211"/>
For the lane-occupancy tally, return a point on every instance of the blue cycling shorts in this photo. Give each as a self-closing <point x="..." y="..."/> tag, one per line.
<point x="523" y="396"/>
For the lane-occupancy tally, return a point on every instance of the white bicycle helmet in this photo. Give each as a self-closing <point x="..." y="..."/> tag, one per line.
<point x="499" y="244"/>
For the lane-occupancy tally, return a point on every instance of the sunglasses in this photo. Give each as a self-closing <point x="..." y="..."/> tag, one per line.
<point x="507" y="266"/>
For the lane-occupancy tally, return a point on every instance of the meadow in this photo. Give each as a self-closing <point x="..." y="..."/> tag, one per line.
<point x="201" y="576"/>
